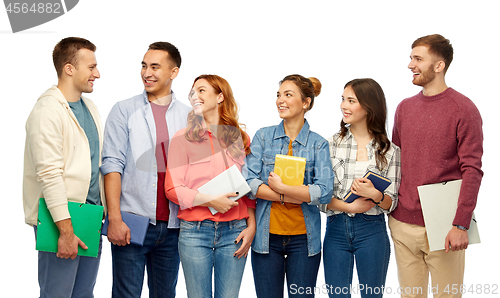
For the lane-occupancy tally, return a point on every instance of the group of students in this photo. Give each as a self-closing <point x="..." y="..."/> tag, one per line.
<point x="157" y="152"/>
<point x="284" y="221"/>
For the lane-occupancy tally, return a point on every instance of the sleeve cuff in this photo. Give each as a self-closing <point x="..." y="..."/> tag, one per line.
<point x="109" y="167"/>
<point x="461" y="227"/>
<point x="324" y="208"/>
<point x="254" y="186"/>
<point x="60" y="212"/>
<point x="314" y="194"/>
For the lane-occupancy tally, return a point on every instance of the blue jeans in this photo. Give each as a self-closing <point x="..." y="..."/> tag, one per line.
<point x="287" y="257"/>
<point x="65" y="278"/>
<point x="159" y="255"/>
<point x="362" y="239"/>
<point x="205" y="246"/>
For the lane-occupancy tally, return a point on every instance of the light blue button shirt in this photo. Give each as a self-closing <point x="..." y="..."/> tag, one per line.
<point x="129" y="149"/>
<point x="268" y="142"/>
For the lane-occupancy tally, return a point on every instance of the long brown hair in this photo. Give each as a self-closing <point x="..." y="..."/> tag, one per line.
<point x="371" y="97"/>
<point x="228" y="119"/>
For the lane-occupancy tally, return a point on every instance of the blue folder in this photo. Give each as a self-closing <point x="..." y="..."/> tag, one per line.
<point x="137" y="224"/>
<point x="380" y="182"/>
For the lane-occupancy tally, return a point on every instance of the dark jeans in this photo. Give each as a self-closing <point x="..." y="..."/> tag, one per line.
<point x="362" y="239"/>
<point x="288" y="257"/>
<point x="159" y="254"/>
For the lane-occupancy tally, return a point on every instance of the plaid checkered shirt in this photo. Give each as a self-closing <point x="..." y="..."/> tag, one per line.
<point x="343" y="152"/>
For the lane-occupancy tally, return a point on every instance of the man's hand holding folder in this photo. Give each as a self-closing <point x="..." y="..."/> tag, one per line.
<point x="439" y="203"/>
<point x="118" y="232"/>
<point x="78" y="235"/>
<point x="456" y="240"/>
<point x="67" y="245"/>
<point x="126" y="229"/>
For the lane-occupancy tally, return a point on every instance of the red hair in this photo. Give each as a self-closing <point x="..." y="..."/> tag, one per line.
<point x="228" y="118"/>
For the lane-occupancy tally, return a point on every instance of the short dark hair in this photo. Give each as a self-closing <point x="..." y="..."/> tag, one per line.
<point x="173" y="52"/>
<point x="437" y="45"/>
<point x="65" y="52"/>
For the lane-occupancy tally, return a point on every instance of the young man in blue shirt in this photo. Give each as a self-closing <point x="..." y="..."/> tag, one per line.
<point x="137" y="134"/>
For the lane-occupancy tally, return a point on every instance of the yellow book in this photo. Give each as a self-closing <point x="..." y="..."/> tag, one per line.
<point x="290" y="169"/>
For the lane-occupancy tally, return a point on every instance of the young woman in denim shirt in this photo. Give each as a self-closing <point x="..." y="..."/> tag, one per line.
<point x="288" y="241"/>
<point x="210" y="244"/>
<point x="356" y="232"/>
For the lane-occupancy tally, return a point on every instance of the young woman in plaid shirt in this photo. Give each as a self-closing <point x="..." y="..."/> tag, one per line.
<point x="356" y="232"/>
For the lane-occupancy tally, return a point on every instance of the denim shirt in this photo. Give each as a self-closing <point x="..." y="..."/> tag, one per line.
<point x="268" y="142"/>
<point x="129" y="149"/>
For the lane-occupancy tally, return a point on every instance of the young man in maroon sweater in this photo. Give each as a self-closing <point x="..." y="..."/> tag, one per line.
<point x="440" y="135"/>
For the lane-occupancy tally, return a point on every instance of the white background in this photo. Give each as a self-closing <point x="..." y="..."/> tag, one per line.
<point x="252" y="44"/>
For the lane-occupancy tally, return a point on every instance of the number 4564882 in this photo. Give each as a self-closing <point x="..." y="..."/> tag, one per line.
<point x="34" y="8"/>
<point x="472" y="289"/>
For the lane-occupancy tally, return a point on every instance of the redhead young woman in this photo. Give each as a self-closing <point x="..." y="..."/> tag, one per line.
<point x="212" y="142"/>
<point x="288" y="240"/>
<point x="356" y="232"/>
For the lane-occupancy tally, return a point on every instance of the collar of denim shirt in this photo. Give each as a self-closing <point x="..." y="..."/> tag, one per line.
<point x="301" y="137"/>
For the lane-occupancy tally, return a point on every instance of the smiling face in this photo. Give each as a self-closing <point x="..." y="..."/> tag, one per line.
<point x="422" y="66"/>
<point x="157" y="73"/>
<point x="85" y="71"/>
<point x="289" y="101"/>
<point x="204" y="98"/>
<point x="352" y="111"/>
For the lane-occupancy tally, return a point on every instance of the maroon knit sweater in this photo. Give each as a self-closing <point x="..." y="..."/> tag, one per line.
<point x="441" y="139"/>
